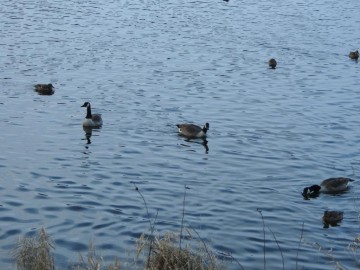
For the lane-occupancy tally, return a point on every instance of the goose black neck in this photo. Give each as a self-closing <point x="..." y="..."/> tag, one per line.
<point x="205" y="128"/>
<point x="88" y="114"/>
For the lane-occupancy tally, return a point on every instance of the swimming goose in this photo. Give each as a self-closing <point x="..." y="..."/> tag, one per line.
<point x="354" y="55"/>
<point x="272" y="63"/>
<point x="193" y="131"/>
<point x="333" y="217"/>
<point x="330" y="185"/>
<point x="91" y="120"/>
<point x="44" y="89"/>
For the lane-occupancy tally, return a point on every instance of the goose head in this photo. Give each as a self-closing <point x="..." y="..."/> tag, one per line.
<point x="86" y="104"/>
<point x="312" y="190"/>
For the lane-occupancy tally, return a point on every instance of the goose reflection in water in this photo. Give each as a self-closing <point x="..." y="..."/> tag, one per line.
<point x="311" y="196"/>
<point x="88" y="133"/>
<point x="204" y="143"/>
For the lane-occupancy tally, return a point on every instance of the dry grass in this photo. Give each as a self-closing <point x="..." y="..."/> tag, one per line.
<point x="166" y="254"/>
<point x="153" y="252"/>
<point x="160" y="253"/>
<point x="353" y="247"/>
<point x="94" y="261"/>
<point x="34" y="253"/>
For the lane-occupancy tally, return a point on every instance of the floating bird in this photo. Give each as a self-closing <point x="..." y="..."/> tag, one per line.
<point x="272" y="63"/>
<point x="44" y="89"/>
<point x="354" y="55"/>
<point x="193" y="131"/>
<point x="332" y="218"/>
<point x="330" y="185"/>
<point x="91" y="120"/>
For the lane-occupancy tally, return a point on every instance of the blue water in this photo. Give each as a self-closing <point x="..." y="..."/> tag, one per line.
<point x="148" y="65"/>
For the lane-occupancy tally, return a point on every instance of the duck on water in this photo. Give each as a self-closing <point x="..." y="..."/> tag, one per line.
<point x="44" y="89"/>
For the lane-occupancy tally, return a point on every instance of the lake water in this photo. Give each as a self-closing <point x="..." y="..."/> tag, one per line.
<point x="147" y="65"/>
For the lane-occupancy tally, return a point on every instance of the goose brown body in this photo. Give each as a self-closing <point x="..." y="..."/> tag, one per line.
<point x="335" y="184"/>
<point x="193" y="131"/>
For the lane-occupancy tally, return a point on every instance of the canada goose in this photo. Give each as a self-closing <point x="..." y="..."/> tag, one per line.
<point x="330" y="185"/>
<point x="272" y="63"/>
<point x="333" y="216"/>
<point x="193" y="131"/>
<point x="354" y="55"/>
<point x="91" y="120"/>
<point x="44" y="89"/>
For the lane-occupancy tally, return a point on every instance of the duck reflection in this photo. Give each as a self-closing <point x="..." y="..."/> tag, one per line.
<point x="332" y="218"/>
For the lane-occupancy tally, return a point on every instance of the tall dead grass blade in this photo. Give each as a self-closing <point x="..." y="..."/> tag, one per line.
<point x="152" y="225"/>
<point x="297" y="252"/>
<point x="282" y="255"/>
<point x="262" y="218"/>
<point x="183" y="216"/>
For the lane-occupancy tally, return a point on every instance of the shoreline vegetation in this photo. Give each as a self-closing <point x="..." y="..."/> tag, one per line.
<point x="168" y="251"/>
<point x="159" y="252"/>
<point x="155" y="252"/>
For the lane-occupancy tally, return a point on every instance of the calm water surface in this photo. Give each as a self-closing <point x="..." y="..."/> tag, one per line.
<point x="147" y="65"/>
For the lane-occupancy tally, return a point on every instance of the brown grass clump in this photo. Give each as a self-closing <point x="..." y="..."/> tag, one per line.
<point x="34" y="253"/>
<point x="167" y="255"/>
<point x="94" y="261"/>
<point x="160" y="253"/>
<point x="353" y="247"/>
